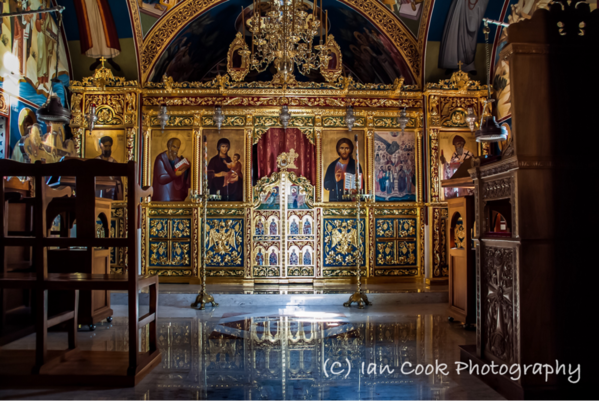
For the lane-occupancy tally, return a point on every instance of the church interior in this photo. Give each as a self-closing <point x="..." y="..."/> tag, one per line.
<point x="287" y="199"/>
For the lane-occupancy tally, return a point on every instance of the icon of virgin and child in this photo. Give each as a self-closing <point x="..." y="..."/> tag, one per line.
<point x="334" y="179"/>
<point x="225" y="174"/>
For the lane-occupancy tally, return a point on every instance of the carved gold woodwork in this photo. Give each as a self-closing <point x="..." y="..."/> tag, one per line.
<point x="254" y="108"/>
<point x="332" y="74"/>
<point x="240" y="47"/>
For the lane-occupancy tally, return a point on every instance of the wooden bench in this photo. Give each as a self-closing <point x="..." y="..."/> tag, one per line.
<point x="72" y="367"/>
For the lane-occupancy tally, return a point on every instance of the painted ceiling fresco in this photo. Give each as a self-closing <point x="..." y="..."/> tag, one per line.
<point x="408" y="11"/>
<point x="28" y="53"/>
<point x="199" y="51"/>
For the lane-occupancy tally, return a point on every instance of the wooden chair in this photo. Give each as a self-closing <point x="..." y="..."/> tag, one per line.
<point x="73" y="366"/>
<point x="94" y="306"/>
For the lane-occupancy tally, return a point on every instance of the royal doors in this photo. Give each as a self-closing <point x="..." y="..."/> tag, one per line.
<point x="283" y="229"/>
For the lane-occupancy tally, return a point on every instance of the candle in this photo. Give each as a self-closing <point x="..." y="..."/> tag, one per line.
<point x="243" y="23"/>
<point x="320" y="28"/>
<point x="326" y="30"/>
<point x="292" y="15"/>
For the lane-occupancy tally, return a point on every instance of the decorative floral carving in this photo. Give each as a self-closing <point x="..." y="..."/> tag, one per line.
<point x="229" y="121"/>
<point x="256" y="98"/>
<point x="499" y="281"/>
<point x="224" y="273"/>
<point x="399" y="212"/>
<point x="396" y="272"/>
<point x="439" y="253"/>
<point x="434" y="165"/>
<point x="298" y="271"/>
<point x="497" y="189"/>
<point x="266" y="271"/>
<point x="174" y="121"/>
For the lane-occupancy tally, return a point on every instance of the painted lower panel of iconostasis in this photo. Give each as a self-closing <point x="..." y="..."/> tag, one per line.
<point x="279" y="233"/>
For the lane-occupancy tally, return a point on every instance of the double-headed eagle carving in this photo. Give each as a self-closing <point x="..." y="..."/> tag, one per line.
<point x="345" y="237"/>
<point x="221" y="239"/>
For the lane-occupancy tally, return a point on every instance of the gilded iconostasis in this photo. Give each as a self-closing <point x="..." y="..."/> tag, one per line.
<point x="279" y="209"/>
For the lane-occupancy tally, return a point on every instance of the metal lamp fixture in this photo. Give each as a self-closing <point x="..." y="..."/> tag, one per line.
<point x="284" y="116"/>
<point x="350" y="118"/>
<point x="218" y="117"/>
<point x="286" y="32"/>
<point x="489" y="130"/>
<point x="163" y="116"/>
<point x="403" y="120"/>
<point x="471" y="118"/>
<point x="53" y="110"/>
<point x="91" y="118"/>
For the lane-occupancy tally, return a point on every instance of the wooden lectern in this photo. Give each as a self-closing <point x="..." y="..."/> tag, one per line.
<point x="462" y="273"/>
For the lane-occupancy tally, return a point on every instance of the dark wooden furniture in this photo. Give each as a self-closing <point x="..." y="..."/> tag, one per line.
<point x="15" y="304"/>
<point x="72" y="367"/>
<point x="94" y="306"/>
<point x="534" y="274"/>
<point x="462" y="274"/>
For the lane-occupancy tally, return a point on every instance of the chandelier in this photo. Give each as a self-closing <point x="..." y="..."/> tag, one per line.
<point x="287" y="33"/>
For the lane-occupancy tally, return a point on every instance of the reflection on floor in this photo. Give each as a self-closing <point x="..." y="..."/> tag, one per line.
<point x="285" y="353"/>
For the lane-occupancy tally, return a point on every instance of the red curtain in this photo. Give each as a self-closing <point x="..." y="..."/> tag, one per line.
<point x="276" y="141"/>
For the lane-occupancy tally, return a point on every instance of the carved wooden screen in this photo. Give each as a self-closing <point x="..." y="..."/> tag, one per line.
<point x="283" y="231"/>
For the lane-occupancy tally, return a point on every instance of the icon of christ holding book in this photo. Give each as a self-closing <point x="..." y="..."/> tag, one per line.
<point x="340" y="175"/>
<point x="171" y="179"/>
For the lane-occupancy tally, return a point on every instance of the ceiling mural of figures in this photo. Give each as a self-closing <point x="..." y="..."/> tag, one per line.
<point x="199" y="51"/>
<point x="408" y="11"/>
<point x="157" y="8"/>
<point x="367" y="53"/>
<point x="28" y="48"/>
<point x="201" y="45"/>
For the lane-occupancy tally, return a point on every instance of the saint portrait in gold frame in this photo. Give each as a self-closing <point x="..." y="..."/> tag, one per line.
<point x="171" y="158"/>
<point x="339" y="163"/>
<point x="110" y="145"/>
<point x="454" y="149"/>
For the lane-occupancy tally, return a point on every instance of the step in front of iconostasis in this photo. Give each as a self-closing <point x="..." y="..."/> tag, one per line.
<point x="183" y="295"/>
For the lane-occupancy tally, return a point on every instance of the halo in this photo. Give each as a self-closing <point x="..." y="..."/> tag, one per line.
<point x="167" y="138"/>
<point x="115" y="145"/>
<point x="451" y="138"/>
<point x="25" y="111"/>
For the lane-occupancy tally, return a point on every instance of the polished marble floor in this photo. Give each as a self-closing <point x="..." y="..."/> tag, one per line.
<point x="295" y="353"/>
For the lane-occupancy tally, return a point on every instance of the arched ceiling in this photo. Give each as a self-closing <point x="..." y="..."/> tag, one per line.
<point x="379" y="38"/>
<point x="368" y="32"/>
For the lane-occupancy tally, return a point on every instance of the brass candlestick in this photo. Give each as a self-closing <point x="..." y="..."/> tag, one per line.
<point x="358" y="297"/>
<point x="203" y="297"/>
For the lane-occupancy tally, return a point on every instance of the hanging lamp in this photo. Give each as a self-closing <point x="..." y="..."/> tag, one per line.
<point x="163" y="116"/>
<point x="53" y="111"/>
<point x="91" y="118"/>
<point x="218" y="117"/>
<point x="403" y="120"/>
<point x="284" y="116"/>
<point x="471" y="119"/>
<point x="350" y="118"/>
<point x="489" y="130"/>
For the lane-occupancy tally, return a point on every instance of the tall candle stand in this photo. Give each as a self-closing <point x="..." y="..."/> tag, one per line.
<point x="203" y="297"/>
<point x="358" y="297"/>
